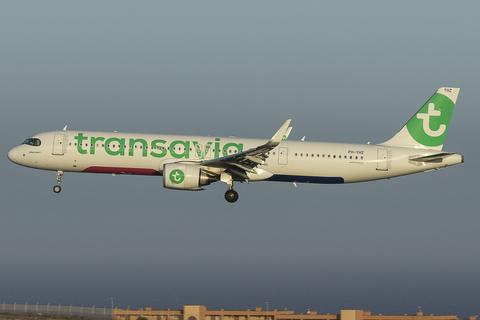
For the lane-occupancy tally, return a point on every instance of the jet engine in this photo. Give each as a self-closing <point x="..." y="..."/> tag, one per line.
<point x="185" y="177"/>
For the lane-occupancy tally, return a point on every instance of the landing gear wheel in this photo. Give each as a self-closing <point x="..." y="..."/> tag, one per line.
<point x="57" y="189"/>
<point x="231" y="196"/>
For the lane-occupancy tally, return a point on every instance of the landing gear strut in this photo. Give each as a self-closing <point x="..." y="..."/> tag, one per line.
<point x="231" y="195"/>
<point x="59" y="178"/>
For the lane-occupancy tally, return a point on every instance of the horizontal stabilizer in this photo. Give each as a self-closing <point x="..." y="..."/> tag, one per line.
<point x="434" y="158"/>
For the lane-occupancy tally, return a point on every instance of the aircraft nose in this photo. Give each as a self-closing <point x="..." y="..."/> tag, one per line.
<point x="12" y="155"/>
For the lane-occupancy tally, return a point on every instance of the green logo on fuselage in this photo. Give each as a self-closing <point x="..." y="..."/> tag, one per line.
<point x="157" y="148"/>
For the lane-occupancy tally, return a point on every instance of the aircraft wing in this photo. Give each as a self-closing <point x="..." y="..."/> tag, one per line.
<point x="246" y="161"/>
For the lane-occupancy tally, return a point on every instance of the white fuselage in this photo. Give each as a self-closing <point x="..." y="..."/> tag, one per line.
<point x="294" y="161"/>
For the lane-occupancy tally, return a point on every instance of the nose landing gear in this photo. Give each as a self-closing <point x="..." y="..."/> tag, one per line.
<point x="59" y="178"/>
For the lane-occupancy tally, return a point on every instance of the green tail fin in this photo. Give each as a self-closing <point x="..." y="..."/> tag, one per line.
<point x="428" y="127"/>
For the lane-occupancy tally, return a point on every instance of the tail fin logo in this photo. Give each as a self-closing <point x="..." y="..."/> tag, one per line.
<point x="429" y="126"/>
<point x="426" y="121"/>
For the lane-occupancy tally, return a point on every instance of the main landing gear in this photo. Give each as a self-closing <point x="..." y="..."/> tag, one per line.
<point x="230" y="195"/>
<point x="59" y="178"/>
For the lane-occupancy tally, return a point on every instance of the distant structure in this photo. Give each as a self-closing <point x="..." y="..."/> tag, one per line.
<point x="199" y="312"/>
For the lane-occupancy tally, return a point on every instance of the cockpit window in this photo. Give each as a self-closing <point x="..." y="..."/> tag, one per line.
<point x="32" y="142"/>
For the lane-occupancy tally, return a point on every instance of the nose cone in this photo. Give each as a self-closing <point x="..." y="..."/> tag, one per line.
<point x="12" y="155"/>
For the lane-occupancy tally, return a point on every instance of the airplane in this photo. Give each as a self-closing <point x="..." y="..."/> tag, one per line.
<point x="192" y="162"/>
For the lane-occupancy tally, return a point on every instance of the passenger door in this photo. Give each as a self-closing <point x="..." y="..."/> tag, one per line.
<point x="58" y="144"/>
<point x="382" y="159"/>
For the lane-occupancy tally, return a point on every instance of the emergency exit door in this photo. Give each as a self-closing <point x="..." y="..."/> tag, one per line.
<point x="283" y="156"/>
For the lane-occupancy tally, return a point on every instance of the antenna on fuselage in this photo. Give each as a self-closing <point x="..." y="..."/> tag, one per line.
<point x="65" y="128"/>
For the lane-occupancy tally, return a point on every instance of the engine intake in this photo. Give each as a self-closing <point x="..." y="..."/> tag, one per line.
<point x="185" y="177"/>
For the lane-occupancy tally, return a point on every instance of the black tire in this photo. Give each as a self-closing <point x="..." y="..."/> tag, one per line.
<point x="57" y="189"/>
<point x="231" y="196"/>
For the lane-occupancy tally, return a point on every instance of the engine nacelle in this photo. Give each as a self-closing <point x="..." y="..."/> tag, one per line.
<point x="184" y="177"/>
